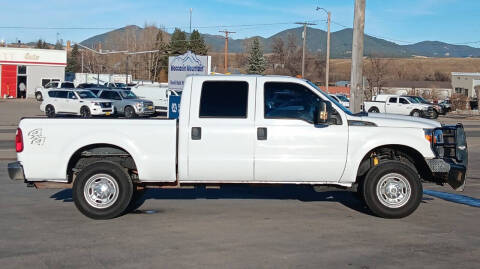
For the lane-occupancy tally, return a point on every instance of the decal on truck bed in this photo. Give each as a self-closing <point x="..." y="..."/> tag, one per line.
<point x="36" y="137"/>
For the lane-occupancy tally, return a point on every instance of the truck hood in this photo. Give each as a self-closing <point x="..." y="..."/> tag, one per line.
<point x="394" y="120"/>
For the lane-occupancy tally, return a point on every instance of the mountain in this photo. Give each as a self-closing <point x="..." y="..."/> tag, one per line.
<point x="341" y="43"/>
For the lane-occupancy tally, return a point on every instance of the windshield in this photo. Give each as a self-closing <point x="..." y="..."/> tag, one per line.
<point x="128" y="95"/>
<point x="413" y="100"/>
<point x="120" y="85"/>
<point x="343" y="98"/>
<point x="344" y="109"/>
<point x="86" y="94"/>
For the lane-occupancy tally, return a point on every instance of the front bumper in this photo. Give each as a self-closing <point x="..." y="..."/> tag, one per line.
<point x="144" y="111"/>
<point x="15" y="171"/>
<point x="451" y="163"/>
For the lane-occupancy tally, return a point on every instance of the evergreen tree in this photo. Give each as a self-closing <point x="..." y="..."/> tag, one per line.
<point x="197" y="44"/>
<point x="59" y="45"/>
<point x="178" y="42"/>
<point x="256" y="61"/>
<point x="72" y="61"/>
<point x="41" y="44"/>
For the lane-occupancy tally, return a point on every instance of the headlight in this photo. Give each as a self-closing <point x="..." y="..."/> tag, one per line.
<point x="96" y="103"/>
<point x="139" y="105"/>
<point x="434" y="136"/>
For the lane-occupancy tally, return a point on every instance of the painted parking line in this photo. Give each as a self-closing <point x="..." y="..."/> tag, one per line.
<point x="456" y="198"/>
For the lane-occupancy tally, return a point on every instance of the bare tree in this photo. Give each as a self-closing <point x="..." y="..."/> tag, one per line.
<point x="376" y="73"/>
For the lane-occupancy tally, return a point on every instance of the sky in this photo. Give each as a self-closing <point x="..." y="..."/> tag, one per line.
<point x="403" y="22"/>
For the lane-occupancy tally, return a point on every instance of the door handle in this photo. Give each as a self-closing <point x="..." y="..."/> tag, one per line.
<point x="196" y="133"/>
<point x="261" y="133"/>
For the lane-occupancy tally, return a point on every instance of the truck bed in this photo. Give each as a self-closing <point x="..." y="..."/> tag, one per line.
<point x="50" y="143"/>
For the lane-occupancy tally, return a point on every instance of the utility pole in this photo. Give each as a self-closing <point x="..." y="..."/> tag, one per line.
<point x="226" y="49"/>
<point x="327" y="66"/>
<point x="356" y="91"/>
<point x="304" y="36"/>
<point x="190" y="20"/>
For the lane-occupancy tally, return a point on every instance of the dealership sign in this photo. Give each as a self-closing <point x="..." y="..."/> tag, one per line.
<point x="179" y="67"/>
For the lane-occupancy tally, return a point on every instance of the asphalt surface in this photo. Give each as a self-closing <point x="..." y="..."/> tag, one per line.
<point x="241" y="227"/>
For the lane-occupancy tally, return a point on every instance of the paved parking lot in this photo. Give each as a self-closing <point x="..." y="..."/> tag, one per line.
<point x="236" y="227"/>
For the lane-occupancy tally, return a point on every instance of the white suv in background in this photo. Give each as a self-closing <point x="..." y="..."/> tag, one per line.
<point x="75" y="102"/>
<point x="54" y="84"/>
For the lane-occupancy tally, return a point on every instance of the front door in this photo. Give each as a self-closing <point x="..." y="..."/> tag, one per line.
<point x="289" y="146"/>
<point x="221" y="130"/>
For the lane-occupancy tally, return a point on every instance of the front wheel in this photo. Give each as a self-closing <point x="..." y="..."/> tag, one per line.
<point x="416" y="113"/>
<point x="392" y="190"/>
<point x="102" y="190"/>
<point x="434" y="114"/>
<point x="130" y="112"/>
<point x="85" y="112"/>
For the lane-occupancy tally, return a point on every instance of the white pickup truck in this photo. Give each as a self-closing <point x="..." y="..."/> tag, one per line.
<point x="396" y="104"/>
<point x="240" y="129"/>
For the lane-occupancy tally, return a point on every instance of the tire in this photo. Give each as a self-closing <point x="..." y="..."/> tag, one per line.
<point x="138" y="198"/>
<point x="85" y="112"/>
<point x="129" y="112"/>
<point x="373" y="110"/>
<point x="50" y="111"/>
<point x="394" y="180"/>
<point x="416" y="113"/>
<point x="100" y="175"/>
<point x="38" y="96"/>
<point x="434" y="114"/>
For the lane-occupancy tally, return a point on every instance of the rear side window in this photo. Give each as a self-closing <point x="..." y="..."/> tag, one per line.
<point x="68" y="85"/>
<point x="61" y="94"/>
<point x="52" y="94"/>
<point x="392" y="100"/>
<point x="224" y="99"/>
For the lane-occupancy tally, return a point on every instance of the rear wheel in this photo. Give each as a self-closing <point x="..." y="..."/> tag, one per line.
<point x="374" y="110"/>
<point x="38" y="96"/>
<point x="50" y="111"/>
<point x="392" y="190"/>
<point x="130" y="112"/>
<point x="85" y="112"/>
<point x="102" y="190"/>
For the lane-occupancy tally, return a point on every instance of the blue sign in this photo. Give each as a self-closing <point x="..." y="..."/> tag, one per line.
<point x="173" y="106"/>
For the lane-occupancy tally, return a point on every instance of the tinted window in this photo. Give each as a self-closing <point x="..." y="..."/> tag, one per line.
<point x="224" y="99"/>
<point x="86" y="94"/>
<point x="289" y="101"/>
<point x="95" y="92"/>
<point x="52" y="85"/>
<point x="61" y="94"/>
<point x="392" y="100"/>
<point x="110" y="95"/>
<point x="67" y="85"/>
<point x="52" y="94"/>
<point x="71" y="95"/>
<point x="128" y="95"/>
<point x="403" y="101"/>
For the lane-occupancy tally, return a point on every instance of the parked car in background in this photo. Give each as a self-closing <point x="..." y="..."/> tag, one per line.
<point x="342" y="99"/>
<point x="41" y="92"/>
<point x="90" y="86"/>
<point x="116" y="85"/>
<point x="126" y="103"/>
<point x="75" y="102"/>
<point x="396" y="104"/>
<point x="158" y="95"/>
<point x="446" y="104"/>
<point x="437" y="109"/>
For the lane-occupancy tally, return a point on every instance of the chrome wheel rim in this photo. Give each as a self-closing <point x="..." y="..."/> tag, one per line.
<point x="416" y="114"/>
<point x="101" y="191"/>
<point x="393" y="190"/>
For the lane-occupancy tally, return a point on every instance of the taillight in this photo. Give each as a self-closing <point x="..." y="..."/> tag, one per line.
<point x="19" y="140"/>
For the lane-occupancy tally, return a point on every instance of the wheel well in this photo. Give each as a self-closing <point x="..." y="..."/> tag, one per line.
<point x="408" y="155"/>
<point x="100" y="152"/>
<point x="373" y="108"/>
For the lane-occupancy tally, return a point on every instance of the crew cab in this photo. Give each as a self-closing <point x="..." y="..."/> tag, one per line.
<point x="396" y="104"/>
<point x="75" y="102"/>
<point x="240" y="129"/>
<point x="40" y="93"/>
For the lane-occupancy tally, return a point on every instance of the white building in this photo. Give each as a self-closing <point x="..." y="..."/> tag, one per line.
<point x="33" y="67"/>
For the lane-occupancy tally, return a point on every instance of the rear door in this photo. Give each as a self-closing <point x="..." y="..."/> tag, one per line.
<point x="61" y="105"/>
<point x="221" y="130"/>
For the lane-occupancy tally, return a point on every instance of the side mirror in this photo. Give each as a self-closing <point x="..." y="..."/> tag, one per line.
<point x="322" y="113"/>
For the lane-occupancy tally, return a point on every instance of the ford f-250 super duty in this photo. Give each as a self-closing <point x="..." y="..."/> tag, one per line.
<point x="239" y="129"/>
